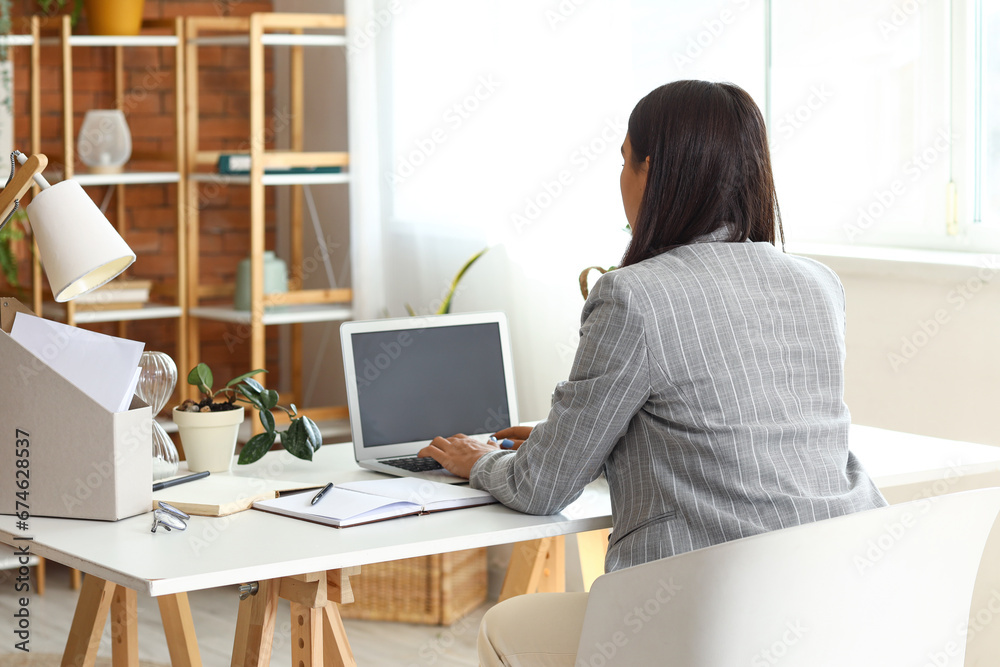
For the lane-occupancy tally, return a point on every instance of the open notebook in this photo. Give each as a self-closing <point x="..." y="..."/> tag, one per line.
<point x="354" y="503"/>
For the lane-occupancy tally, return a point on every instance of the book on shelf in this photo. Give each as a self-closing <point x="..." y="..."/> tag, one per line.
<point x="356" y="503"/>
<point x="117" y="295"/>
<point x="237" y="164"/>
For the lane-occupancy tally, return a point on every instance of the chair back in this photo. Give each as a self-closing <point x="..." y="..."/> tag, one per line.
<point x="888" y="587"/>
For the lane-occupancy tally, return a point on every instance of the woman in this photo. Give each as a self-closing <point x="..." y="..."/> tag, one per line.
<point x="708" y="384"/>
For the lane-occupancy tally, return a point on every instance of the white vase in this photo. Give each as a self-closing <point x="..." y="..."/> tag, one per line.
<point x="209" y="438"/>
<point x="105" y="142"/>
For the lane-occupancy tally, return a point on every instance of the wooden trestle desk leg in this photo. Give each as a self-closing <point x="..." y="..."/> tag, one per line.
<point x="124" y="628"/>
<point x="97" y="598"/>
<point x="88" y="623"/>
<point x="40" y="577"/>
<point x="536" y="565"/>
<point x="255" y="627"/>
<point x="540" y="565"/>
<point x="178" y="626"/>
<point x="592" y="547"/>
<point x="318" y="636"/>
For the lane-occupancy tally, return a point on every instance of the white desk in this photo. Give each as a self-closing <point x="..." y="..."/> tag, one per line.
<point x="255" y="546"/>
<point x="906" y="466"/>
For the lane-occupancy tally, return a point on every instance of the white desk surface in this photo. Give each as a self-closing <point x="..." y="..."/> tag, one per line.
<point x="252" y="545"/>
<point x="893" y="458"/>
<point x="255" y="546"/>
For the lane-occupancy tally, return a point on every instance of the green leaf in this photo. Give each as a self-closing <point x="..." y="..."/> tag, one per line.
<point x="201" y="377"/>
<point x="313" y="434"/>
<point x="253" y="384"/>
<point x="252" y="397"/>
<point x="267" y="420"/>
<point x="294" y="409"/>
<point x="9" y="234"/>
<point x="269" y="398"/>
<point x="446" y="305"/>
<point x="247" y="376"/>
<point x="249" y="389"/>
<point x="296" y="442"/>
<point x="256" y="447"/>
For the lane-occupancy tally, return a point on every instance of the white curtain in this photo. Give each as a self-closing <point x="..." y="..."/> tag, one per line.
<point x="499" y="124"/>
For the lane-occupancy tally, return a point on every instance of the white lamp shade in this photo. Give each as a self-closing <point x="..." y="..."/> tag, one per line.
<point x="78" y="247"/>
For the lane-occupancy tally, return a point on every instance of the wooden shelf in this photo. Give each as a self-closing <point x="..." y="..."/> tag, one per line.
<point x="167" y="423"/>
<point x="272" y="179"/>
<point x="16" y="40"/>
<point x="298" y="306"/>
<point x="12" y="562"/>
<point x="57" y="311"/>
<point x="278" y="314"/>
<point x="272" y="39"/>
<point x="59" y="41"/>
<point x="116" y="40"/>
<point x="128" y="178"/>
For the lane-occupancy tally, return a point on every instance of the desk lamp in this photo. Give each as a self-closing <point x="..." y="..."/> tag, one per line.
<point x="78" y="247"/>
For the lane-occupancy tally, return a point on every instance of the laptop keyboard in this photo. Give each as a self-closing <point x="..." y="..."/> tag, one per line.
<point x="413" y="463"/>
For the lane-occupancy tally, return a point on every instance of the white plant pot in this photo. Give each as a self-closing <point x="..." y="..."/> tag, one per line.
<point x="209" y="438"/>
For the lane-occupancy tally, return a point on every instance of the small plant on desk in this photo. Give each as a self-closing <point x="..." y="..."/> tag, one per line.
<point x="301" y="438"/>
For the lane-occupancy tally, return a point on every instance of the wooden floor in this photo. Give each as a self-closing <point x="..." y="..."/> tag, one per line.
<point x="374" y="643"/>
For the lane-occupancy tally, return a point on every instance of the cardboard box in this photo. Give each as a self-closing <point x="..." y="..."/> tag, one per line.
<point x="84" y="461"/>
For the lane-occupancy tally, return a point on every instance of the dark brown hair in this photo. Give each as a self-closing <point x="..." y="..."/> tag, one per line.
<point x="709" y="166"/>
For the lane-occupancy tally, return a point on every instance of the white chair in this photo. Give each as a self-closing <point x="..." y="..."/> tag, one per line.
<point x="887" y="588"/>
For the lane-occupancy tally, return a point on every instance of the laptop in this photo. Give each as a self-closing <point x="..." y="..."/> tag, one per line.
<point x="412" y="379"/>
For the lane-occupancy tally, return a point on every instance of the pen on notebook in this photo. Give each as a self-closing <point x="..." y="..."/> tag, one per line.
<point x="322" y="492"/>
<point x="159" y="486"/>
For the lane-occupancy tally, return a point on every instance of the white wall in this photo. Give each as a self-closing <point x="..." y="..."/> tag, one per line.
<point x="922" y="349"/>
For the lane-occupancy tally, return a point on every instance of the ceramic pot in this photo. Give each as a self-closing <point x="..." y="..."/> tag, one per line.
<point x="275" y="279"/>
<point x="114" y="17"/>
<point x="209" y="438"/>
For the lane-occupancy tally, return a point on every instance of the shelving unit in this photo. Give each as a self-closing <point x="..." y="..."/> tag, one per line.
<point x="298" y="305"/>
<point x="156" y="34"/>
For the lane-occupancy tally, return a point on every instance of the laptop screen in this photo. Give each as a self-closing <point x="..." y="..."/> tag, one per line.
<point x="416" y="384"/>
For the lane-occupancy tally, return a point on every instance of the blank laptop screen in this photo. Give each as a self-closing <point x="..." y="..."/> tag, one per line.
<point x="416" y="384"/>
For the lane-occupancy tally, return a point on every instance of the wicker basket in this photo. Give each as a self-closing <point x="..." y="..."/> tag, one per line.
<point x="436" y="589"/>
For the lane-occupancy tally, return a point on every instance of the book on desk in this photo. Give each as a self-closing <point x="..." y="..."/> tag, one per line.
<point x="356" y="503"/>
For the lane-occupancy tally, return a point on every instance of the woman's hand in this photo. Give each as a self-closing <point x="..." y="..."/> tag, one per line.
<point x="458" y="453"/>
<point x="516" y="434"/>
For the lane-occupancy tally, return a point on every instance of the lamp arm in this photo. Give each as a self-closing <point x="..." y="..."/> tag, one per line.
<point x="20" y="183"/>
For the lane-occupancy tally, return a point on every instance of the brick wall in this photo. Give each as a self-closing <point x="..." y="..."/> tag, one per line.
<point x="150" y="209"/>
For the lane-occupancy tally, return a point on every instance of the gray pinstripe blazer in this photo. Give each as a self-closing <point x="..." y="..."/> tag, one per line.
<point x="708" y="387"/>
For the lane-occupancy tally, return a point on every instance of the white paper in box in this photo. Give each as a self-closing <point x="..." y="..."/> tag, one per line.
<point x="85" y="462"/>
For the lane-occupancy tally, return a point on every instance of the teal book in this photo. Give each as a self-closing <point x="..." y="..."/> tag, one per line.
<point x="238" y="164"/>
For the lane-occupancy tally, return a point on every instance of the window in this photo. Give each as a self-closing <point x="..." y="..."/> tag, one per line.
<point x="883" y="115"/>
<point x="860" y="125"/>
<point x="988" y="81"/>
<point x="884" y="121"/>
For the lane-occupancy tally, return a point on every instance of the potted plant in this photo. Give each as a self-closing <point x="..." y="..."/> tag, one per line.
<point x="585" y="274"/>
<point x="13" y="249"/>
<point x="209" y="428"/>
<point x="50" y="7"/>
<point x="104" y="17"/>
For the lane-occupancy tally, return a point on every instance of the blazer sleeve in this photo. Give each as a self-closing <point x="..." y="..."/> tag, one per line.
<point x="608" y="384"/>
